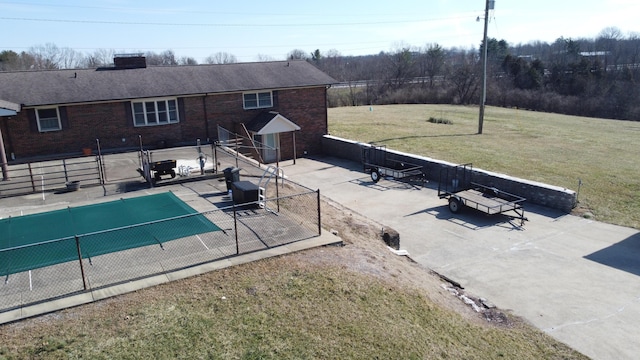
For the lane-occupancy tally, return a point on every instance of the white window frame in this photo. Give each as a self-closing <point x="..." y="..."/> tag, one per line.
<point x="256" y="98"/>
<point x="153" y="118"/>
<point x="40" y="127"/>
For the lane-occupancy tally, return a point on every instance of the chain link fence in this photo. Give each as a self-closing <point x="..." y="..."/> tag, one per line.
<point x="285" y="212"/>
<point x="62" y="267"/>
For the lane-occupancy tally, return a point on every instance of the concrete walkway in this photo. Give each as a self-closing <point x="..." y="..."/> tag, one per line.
<point x="576" y="279"/>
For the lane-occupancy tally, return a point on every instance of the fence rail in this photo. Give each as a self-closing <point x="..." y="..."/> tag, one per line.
<point x="62" y="267"/>
<point x="33" y="177"/>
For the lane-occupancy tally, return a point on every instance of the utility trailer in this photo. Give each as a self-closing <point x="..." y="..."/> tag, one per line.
<point x="457" y="186"/>
<point x="377" y="163"/>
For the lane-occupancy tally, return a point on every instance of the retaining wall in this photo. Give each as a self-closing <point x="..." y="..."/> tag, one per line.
<point x="535" y="192"/>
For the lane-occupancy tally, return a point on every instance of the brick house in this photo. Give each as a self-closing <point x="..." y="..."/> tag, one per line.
<point x="61" y="112"/>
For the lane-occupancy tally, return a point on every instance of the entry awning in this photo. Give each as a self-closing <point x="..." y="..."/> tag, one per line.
<point x="271" y="123"/>
<point x="8" y="108"/>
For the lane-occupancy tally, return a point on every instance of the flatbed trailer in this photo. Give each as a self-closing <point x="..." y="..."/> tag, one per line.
<point x="457" y="186"/>
<point x="378" y="165"/>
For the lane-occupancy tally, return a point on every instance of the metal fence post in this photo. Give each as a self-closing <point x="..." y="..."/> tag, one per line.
<point x="102" y="173"/>
<point x="235" y="228"/>
<point x="33" y="183"/>
<point x="319" y="217"/>
<point x="277" y="191"/>
<point x="84" y="279"/>
<point x="237" y="148"/>
<point x="214" y="150"/>
<point x="64" y="166"/>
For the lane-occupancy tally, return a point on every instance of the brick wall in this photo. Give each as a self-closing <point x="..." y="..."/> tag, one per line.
<point x="305" y="107"/>
<point x="199" y="117"/>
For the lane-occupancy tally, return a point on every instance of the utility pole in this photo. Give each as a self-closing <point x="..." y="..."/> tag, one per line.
<point x="489" y="4"/>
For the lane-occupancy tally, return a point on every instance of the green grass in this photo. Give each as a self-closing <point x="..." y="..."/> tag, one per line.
<point x="297" y="312"/>
<point x="550" y="148"/>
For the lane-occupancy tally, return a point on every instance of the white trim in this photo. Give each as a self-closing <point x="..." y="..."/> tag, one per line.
<point x="278" y="124"/>
<point x="155" y="112"/>
<point x="38" y="118"/>
<point x="257" y="93"/>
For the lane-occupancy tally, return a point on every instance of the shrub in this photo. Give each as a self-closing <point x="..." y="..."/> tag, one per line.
<point x="440" y="121"/>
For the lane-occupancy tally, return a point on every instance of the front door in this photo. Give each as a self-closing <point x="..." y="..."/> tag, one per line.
<point x="270" y="151"/>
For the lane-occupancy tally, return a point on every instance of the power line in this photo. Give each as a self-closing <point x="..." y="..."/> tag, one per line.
<point x="228" y="25"/>
<point x="174" y="10"/>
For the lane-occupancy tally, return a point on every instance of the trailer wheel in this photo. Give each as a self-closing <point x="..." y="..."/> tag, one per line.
<point x="375" y="175"/>
<point x="454" y="205"/>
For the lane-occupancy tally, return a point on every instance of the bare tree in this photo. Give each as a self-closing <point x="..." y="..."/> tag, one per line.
<point x="351" y="72"/>
<point x="99" y="58"/>
<point x="70" y="59"/>
<point x="187" y="60"/>
<point x="608" y="40"/>
<point x="332" y="63"/>
<point x="432" y="62"/>
<point x="167" y="57"/>
<point x="633" y="49"/>
<point x="221" y="58"/>
<point x="264" y="58"/>
<point x="46" y="57"/>
<point x="297" y="54"/>
<point x="465" y="80"/>
<point x="400" y="66"/>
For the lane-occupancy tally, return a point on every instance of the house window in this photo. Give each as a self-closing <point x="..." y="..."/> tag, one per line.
<point x="155" y="112"/>
<point x="48" y="119"/>
<point x="257" y="100"/>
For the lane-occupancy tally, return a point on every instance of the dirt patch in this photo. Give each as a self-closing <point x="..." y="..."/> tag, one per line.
<point x="364" y="251"/>
<point x="582" y="210"/>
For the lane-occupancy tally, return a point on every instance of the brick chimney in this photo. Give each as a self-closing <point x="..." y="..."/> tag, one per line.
<point x="130" y="61"/>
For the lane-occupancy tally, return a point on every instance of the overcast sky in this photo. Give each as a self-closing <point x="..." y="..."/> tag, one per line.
<point x="248" y="28"/>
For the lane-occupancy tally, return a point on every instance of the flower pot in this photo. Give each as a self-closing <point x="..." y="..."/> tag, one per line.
<point x="73" y="185"/>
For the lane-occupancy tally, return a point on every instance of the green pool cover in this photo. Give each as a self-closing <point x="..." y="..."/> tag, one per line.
<point x="34" y="241"/>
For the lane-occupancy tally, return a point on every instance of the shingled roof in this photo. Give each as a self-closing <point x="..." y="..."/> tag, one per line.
<point x="50" y="87"/>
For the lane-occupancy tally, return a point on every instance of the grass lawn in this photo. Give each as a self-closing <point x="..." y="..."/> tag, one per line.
<point x="555" y="149"/>
<point x="351" y="302"/>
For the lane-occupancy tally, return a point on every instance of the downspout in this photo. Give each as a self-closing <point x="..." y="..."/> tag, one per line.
<point x="294" y="147"/>
<point x="326" y="109"/>
<point x="3" y="159"/>
<point x="206" y="118"/>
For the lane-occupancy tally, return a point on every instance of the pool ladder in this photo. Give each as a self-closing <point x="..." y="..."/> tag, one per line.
<point x="270" y="172"/>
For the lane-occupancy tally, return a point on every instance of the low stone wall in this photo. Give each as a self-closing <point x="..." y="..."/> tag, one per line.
<point x="536" y="193"/>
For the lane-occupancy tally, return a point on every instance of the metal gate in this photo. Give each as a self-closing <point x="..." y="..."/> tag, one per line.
<point x="53" y="175"/>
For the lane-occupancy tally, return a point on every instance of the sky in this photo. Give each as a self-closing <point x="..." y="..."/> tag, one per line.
<point x="255" y="30"/>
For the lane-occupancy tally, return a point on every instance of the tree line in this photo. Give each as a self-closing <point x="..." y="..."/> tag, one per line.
<point x="50" y="57"/>
<point x="596" y="77"/>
